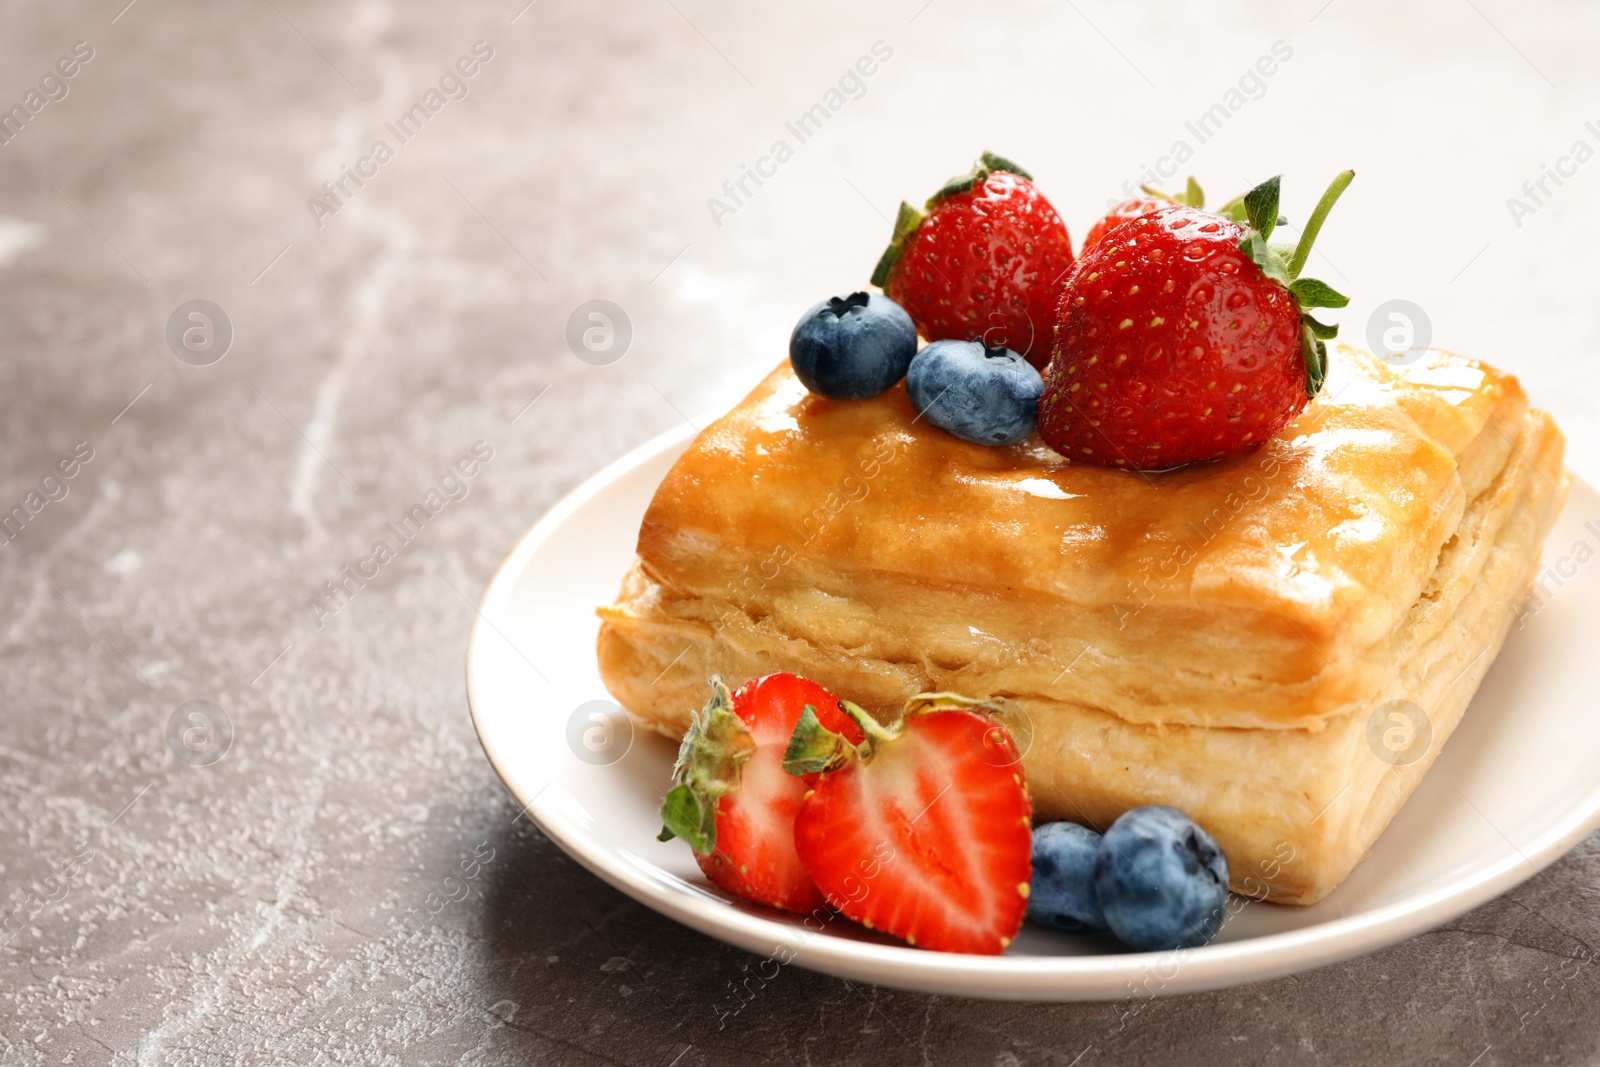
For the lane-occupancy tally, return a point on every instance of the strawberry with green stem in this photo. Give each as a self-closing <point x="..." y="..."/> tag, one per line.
<point x="1186" y="336"/>
<point x="1283" y="264"/>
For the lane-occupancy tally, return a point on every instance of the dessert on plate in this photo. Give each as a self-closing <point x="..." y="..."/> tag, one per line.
<point x="1215" y="637"/>
<point x="1226" y="636"/>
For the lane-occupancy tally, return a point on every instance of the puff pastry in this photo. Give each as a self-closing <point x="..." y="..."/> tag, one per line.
<point x="1215" y="637"/>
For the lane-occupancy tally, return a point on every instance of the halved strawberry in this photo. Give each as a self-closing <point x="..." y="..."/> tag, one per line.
<point x="924" y="829"/>
<point x="733" y="803"/>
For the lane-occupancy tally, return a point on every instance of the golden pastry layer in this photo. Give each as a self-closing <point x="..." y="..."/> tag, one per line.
<point x="1214" y="637"/>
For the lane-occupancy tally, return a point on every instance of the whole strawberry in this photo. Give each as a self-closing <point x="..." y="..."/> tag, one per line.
<point x="986" y="261"/>
<point x="734" y="804"/>
<point x="1185" y="336"/>
<point x="1153" y="200"/>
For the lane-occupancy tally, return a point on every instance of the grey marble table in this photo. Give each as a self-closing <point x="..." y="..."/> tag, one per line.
<point x="243" y="815"/>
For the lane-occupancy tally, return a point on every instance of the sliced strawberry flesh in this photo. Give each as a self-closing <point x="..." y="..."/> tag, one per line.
<point x="926" y="840"/>
<point x="754" y="855"/>
<point x="772" y="704"/>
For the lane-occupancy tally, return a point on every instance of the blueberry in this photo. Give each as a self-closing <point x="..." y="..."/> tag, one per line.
<point x="1161" y="880"/>
<point x="979" y="393"/>
<point x="1063" y="878"/>
<point x="852" y="347"/>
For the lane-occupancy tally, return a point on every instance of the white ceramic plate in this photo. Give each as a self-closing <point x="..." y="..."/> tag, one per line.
<point x="1517" y="785"/>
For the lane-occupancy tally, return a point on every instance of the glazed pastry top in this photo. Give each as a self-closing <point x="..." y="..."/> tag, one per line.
<point x="1335" y="525"/>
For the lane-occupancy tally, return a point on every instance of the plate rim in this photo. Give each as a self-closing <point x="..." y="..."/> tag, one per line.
<point x="1067" y="977"/>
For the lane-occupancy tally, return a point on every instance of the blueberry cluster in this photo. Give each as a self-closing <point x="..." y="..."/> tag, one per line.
<point x="858" y="346"/>
<point x="1156" y="879"/>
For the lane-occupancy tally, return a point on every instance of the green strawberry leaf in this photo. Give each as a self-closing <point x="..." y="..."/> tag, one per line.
<point x="813" y="747"/>
<point x="1321" y="330"/>
<point x="1266" y="257"/>
<point x="1261" y="206"/>
<point x="1312" y="293"/>
<point x="709" y="764"/>
<point x="905" y="224"/>
<point x="994" y="162"/>
<point x="959" y="184"/>
<point x="986" y="165"/>
<point x="681" y="817"/>
<point x="1257" y="212"/>
<point x="1316" y="359"/>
